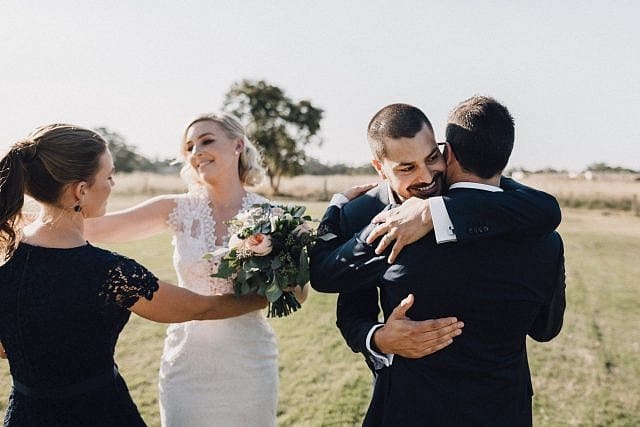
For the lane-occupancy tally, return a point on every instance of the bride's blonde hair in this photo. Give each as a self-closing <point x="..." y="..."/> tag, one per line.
<point x="250" y="169"/>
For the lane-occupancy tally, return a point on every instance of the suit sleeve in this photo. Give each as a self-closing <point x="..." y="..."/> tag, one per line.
<point x="356" y="314"/>
<point x="333" y="269"/>
<point x="330" y="237"/>
<point x="548" y="322"/>
<point x="519" y="211"/>
<point x="339" y="264"/>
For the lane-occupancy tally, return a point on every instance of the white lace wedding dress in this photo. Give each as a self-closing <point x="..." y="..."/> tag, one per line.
<point x="214" y="372"/>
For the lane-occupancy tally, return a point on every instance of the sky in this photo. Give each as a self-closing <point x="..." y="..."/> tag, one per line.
<point x="568" y="71"/>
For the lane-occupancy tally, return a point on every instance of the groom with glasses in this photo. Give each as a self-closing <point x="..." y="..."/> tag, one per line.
<point x="408" y="159"/>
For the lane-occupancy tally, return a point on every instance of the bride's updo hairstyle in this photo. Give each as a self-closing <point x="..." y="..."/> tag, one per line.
<point x="41" y="166"/>
<point x="250" y="169"/>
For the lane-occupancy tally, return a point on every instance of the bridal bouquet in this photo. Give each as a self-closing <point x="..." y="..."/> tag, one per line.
<point x="268" y="254"/>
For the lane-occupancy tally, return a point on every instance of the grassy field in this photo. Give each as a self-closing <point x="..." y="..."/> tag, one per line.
<point x="589" y="375"/>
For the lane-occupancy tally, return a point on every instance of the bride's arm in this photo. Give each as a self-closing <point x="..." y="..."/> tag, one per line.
<point x="138" y="222"/>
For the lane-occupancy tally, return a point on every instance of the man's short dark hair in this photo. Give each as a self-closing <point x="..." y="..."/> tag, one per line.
<point x="394" y="121"/>
<point x="480" y="132"/>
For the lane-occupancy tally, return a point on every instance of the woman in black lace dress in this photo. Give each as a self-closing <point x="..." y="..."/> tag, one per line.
<point x="63" y="302"/>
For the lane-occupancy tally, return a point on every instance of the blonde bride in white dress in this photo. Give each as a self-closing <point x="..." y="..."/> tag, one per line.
<point x="215" y="372"/>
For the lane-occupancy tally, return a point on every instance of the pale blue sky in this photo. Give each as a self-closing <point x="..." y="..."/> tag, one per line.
<point x="569" y="71"/>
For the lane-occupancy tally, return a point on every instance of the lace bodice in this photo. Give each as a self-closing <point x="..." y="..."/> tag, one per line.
<point x="194" y="232"/>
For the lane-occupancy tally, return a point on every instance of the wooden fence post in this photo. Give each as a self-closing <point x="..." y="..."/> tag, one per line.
<point x="325" y="189"/>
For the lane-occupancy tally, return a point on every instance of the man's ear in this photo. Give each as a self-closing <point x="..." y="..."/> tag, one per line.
<point x="378" y="167"/>
<point x="449" y="155"/>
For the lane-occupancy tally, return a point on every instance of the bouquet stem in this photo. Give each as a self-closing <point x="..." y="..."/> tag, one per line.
<point x="283" y="306"/>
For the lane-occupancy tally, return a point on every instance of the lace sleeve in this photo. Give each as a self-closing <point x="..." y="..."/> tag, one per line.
<point x="126" y="282"/>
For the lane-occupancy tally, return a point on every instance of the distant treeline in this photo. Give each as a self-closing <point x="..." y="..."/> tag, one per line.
<point x="599" y="167"/>
<point x="316" y="167"/>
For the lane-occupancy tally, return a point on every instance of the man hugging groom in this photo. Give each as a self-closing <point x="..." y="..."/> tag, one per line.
<point x="499" y="269"/>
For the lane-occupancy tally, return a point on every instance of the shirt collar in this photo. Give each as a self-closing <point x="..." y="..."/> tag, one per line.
<point x="475" y="186"/>
<point x="393" y="198"/>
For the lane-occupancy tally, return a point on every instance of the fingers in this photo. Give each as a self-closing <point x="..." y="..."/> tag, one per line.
<point x="434" y="340"/>
<point x="379" y="230"/>
<point x="401" y="310"/>
<point x="434" y="346"/>
<point x="382" y="216"/>
<point x="386" y="240"/>
<point x="395" y="251"/>
<point x="357" y="190"/>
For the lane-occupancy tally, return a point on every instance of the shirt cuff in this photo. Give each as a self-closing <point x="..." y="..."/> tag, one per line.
<point x="339" y="200"/>
<point x="379" y="360"/>
<point x="442" y="225"/>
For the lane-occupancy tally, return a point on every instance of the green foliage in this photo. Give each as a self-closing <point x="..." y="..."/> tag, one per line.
<point x="281" y="233"/>
<point x="126" y="157"/>
<point x="281" y="127"/>
<point x="603" y="167"/>
<point x="316" y="167"/>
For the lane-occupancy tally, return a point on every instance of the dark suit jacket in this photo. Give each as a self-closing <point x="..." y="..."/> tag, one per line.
<point x="518" y="211"/>
<point x="503" y="290"/>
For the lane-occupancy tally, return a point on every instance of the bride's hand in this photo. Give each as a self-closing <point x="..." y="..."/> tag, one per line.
<point x="3" y="354"/>
<point x="300" y="293"/>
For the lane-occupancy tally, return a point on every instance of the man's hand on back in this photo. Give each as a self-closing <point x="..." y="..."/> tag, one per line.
<point x="404" y="225"/>
<point x="414" y="339"/>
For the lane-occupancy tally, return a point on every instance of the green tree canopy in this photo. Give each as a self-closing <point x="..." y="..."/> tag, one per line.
<point x="281" y="127"/>
<point x="603" y="167"/>
<point x="125" y="156"/>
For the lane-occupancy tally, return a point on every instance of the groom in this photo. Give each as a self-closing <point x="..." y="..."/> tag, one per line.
<point x="503" y="288"/>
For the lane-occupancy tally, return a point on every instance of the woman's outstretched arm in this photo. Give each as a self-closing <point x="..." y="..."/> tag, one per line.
<point x="172" y="304"/>
<point x="138" y="222"/>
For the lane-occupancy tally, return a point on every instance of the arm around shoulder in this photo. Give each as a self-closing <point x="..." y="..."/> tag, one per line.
<point x="518" y="211"/>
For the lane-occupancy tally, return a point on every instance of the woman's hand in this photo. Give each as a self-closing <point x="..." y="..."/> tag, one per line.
<point x="299" y="292"/>
<point x="3" y="354"/>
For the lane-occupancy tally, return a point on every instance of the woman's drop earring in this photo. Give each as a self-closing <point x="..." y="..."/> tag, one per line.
<point x="77" y="208"/>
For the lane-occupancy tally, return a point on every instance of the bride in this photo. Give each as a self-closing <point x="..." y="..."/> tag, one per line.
<point x="221" y="372"/>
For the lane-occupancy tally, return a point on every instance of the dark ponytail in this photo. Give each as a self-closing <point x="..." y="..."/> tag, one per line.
<point x="12" y="182"/>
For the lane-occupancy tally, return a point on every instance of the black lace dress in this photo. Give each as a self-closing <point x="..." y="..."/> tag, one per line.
<point x="61" y="311"/>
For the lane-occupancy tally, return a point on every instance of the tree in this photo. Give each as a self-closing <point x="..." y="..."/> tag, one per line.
<point x="281" y="127"/>
<point x="603" y="167"/>
<point x="125" y="156"/>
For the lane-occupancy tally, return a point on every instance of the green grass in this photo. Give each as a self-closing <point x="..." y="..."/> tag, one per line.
<point x="589" y="375"/>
